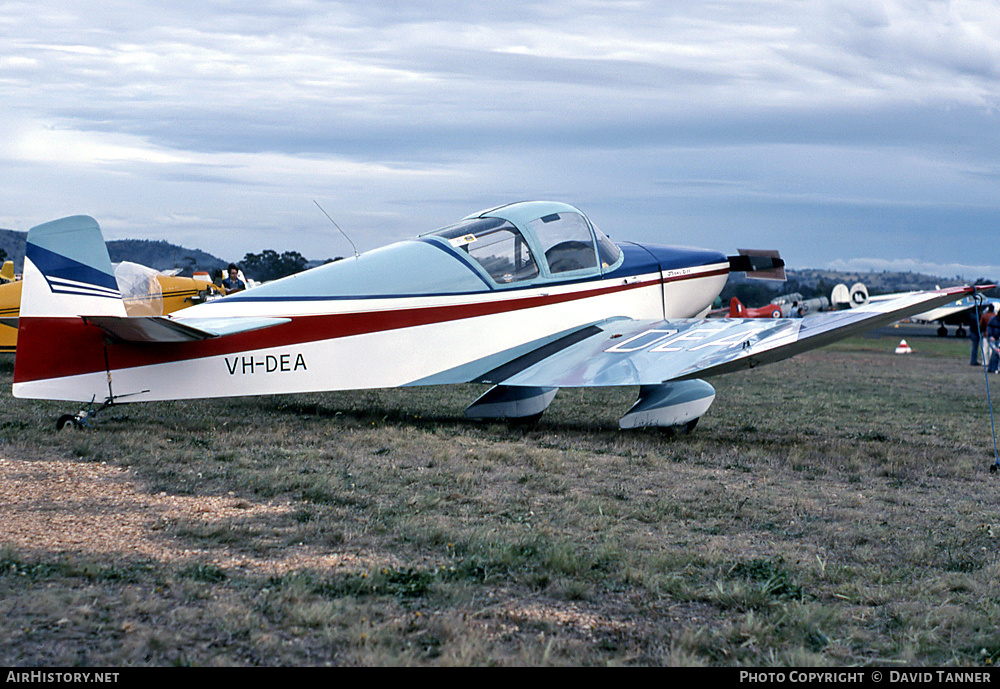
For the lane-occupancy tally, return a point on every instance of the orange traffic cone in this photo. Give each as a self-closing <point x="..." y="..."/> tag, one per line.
<point x="903" y="348"/>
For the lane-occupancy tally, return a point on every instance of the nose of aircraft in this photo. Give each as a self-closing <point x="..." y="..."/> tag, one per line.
<point x="677" y="257"/>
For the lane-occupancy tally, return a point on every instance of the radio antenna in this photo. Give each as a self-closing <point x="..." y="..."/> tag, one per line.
<point x="338" y="227"/>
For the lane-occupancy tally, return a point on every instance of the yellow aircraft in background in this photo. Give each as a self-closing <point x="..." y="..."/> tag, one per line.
<point x="10" y="304"/>
<point x="146" y="292"/>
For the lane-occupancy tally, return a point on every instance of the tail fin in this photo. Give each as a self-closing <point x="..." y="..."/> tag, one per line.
<point x="859" y="295"/>
<point x="736" y="308"/>
<point x="67" y="276"/>
<point x="7" y="272"/>
<point x="67" y="271"/>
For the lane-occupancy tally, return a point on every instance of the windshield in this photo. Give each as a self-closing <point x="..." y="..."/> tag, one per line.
<point x="566" y="240"/>
<point x="606" y="249"/>
<point x="496" y="245"/>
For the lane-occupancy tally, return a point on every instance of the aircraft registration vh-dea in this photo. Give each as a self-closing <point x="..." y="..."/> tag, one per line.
<point x="528" y="297"/>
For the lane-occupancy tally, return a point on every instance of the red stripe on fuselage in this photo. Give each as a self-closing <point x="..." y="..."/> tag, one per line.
<point x="69" y="346"/>
<point x="56" y="347"/>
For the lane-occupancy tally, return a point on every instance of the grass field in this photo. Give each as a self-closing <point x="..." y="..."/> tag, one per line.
<point x="834" y="509"/>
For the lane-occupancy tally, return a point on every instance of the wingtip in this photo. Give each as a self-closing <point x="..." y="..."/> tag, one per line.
<point x="963" y="289"/>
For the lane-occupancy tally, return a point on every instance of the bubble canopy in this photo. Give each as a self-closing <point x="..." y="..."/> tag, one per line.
<point x="512" y="246"/>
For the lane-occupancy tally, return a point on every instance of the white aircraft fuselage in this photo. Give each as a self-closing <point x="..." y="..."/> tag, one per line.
<point x="445" y="307"/>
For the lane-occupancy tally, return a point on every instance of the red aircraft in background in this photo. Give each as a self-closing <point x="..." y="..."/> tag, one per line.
<point x="738" y="310"/>
<point x="785" y="306"/>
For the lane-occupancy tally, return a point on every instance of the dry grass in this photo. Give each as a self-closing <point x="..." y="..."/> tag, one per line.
<point x="834" y="509"/>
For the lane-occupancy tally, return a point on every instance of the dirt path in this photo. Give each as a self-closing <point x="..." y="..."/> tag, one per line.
<point x="101" y="511"/>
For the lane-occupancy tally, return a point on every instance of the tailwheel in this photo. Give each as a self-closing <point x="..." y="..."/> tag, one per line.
<point x="67" y="422"/>
<point x="83" y="418"/>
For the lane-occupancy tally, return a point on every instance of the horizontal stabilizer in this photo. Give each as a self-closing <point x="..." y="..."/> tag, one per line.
<point x="159" y="329"/>
<point x="759" y="264"/>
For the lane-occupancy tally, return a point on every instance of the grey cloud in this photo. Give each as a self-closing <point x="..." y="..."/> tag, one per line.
<point x="873" y="121"/>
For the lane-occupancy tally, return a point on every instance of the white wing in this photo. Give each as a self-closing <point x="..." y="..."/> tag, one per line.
<point x="628" y="352"/>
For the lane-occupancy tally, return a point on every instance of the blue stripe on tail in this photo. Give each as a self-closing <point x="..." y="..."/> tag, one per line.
<point x="66" y="276"/>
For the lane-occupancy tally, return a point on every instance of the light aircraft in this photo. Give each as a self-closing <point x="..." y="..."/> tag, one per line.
<point x="785" y="306"/>
<point x="958" y="313"/>
<point x="527" y="297"/>
<point x="950" y="314"/>
<point x="149" y="292"/>
<point x="9" y="303"/>
<point x="798" y="307"/>
<point x="738" y="310"/>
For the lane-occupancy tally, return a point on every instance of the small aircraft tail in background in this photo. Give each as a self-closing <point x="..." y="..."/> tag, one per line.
<point x="844" y="298"/>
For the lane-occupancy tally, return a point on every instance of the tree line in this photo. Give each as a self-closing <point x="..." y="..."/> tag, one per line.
<point x="270" y="265"/>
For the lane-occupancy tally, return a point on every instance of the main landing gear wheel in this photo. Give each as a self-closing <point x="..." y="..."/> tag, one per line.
<point x="524" y="421"/>
<point x="993" y="468"/>
<point x="680" y="429"/>
<point x="942" y="331"/>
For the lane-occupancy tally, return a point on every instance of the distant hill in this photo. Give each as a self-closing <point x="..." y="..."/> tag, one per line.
<point x="12" y="242"/>
<point x="885" y="282"/>
<point x="160" y="255"/>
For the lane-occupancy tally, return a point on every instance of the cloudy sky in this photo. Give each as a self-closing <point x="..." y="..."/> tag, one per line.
<point x="847" y="134"/>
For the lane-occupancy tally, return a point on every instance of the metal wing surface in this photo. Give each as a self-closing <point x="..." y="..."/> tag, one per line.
<point x="632" y="352"/>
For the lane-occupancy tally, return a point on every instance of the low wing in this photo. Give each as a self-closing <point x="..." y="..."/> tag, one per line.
<point x="631" y="352"/>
